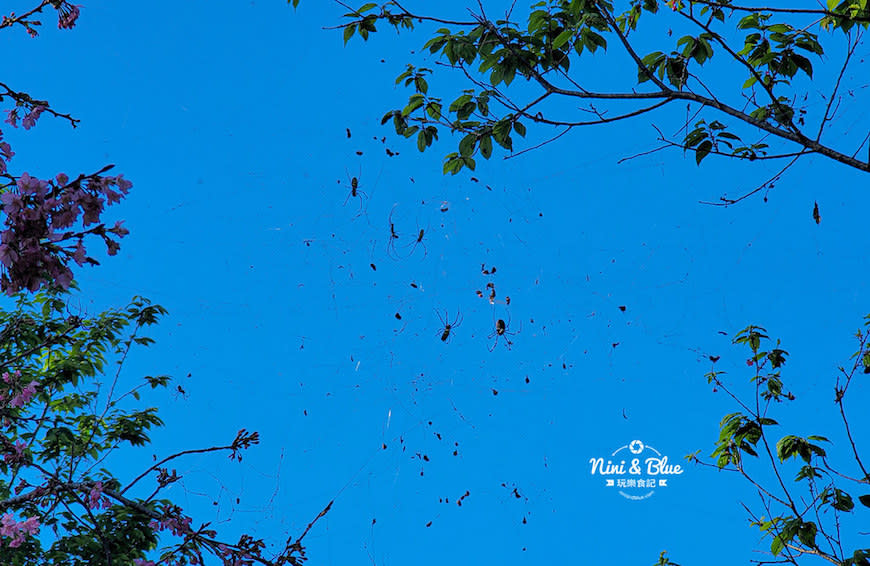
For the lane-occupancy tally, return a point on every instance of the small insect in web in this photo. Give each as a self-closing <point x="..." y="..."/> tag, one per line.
<point x="447" y="331"/>
<point x="502" y="330"/>
<point x="355" y="192"/>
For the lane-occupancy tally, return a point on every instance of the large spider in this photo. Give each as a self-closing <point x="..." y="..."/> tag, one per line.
<point x="502" y="329"/>
<point x="355" y="192"/>
<point x="448" y="326"/>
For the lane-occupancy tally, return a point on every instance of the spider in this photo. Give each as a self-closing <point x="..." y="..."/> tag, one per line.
<point x="502" y="329"/>
<point x="391" y="243"/>
<point x="73" y="319"/>
<point x="448" y="327"/>
<point x="355" y="192"/>
<point x="180" y="392"/>
<point x="418" y="241"/>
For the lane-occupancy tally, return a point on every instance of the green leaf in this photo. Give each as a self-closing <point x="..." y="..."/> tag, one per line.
<point x="408" y="72"/>
<point x="486" y="147"/>
<point x="749" y="22"/>
<point x="790" y="446"/>
<point x="520" y="129"/>
<point x="803" y="64"/>
<point x="399" y="122"/>
<point x="367" y="25"/>
<point x="842" y="501"/>
<point x="694" y="137"/>
<point x="808" y="472"/>
<point x="676" y="71"/>
<point x="483" y="103"/>
<point x="348" y="32"/>
<point x="459" y="102"/>
<point x="651" y="62"/>
<point x="466" y="146"/>
<point x="761" y="114"/>
<point x="779" y="28"/>
<point x="465" y="111"/>
<point x="776" y="545"/>
<point x="593" y="41"/>
<point x="434" y="110"/>
<point x="807" y="534"/>
<point x="653" y="58"/>
<point x="865" y="500"/>
<point x="501" y="132"/>
<point x="810" y="44"/>
<point x="435" y="44"/>
<point x="687" y="40"/>
<point x="703" y="150"/>
<point x="563" y="38"/>
<point x="452" y="163"/>
<point x="859" y="558"/>
<point x="496" y="76"/>
<point x="415" y="101"/>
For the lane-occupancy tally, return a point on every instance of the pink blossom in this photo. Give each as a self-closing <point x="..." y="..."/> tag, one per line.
<point x="9" y="527"/>
<point x="11" y="202"/>
<point x="31" y="185"/>
<point x="17" y="453"/>
<point x="31" y="117"/>
<point x="36" y="213"/>
<point x="112" y="247"/>
<point x="177" y="523"/>
<point x="25" y="396"/>
<point x="95" y="495"/>
<point x="119" y="229"/>
<point x="67" y="15"/>
<point x="79" y="255"/>
<point x="6" y="153"/>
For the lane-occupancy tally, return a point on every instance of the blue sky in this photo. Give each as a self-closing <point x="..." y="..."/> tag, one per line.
<point x="231" y="118"/>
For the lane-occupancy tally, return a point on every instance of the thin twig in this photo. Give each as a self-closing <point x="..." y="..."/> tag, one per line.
<point x="728" y="202"/>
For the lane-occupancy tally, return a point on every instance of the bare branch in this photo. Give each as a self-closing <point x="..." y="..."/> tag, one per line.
<point x="825" y="117"/>
<point x="728" y="202"/>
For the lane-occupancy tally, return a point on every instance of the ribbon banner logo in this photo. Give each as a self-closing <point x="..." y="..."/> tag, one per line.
<point x="635" y="470"/>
